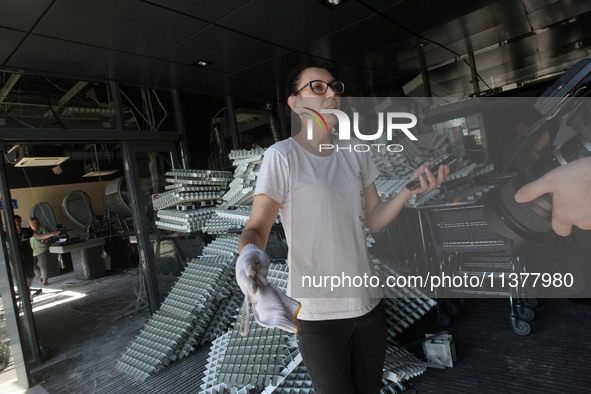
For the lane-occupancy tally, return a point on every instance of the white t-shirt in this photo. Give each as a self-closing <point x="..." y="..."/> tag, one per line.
<point x="322" y="210"/>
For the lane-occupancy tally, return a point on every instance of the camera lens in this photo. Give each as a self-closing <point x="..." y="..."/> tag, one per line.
<point x="527" y="223"/>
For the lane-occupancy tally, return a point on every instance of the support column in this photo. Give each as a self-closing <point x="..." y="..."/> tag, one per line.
<point x="475" y="83"/>
<point x="424" y="71"/>
<point x="180" y="126"/>
<point x="12" y="314"/>
<point x="233" y="126"/>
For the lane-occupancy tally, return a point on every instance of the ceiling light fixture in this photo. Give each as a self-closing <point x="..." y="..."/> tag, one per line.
<point x="331" y="3"/>
<point x="99" y="173"/>
<point x="93" y="169"/>
<point x="203" y="63"/>
<point x="40" y="161"/>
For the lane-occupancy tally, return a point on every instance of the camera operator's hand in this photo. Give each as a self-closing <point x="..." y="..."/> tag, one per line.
<point x="570" y="186"/>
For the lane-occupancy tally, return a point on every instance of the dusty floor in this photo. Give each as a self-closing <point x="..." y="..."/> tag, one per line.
<point x="83" y="323"/>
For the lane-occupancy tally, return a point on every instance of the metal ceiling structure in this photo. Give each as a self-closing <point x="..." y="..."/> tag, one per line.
<point x="375" y="46"/>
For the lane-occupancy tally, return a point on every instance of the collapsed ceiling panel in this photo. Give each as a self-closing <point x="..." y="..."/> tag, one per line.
<point x="38" y="102"/>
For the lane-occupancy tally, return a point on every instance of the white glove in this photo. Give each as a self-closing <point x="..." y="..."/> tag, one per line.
<point x="272" y="308"/>
<point x="252" y="267"/>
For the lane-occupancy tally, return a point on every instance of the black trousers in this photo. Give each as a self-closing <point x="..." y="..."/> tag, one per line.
<point x="345" y="356"/>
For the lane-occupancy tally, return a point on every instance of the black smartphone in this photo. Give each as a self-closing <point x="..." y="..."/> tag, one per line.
<point x="449" y="160"/>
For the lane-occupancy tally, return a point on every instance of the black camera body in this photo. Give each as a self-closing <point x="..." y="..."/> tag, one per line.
<point x="527" y="223"/>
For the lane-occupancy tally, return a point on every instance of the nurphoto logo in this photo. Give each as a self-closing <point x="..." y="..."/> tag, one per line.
<point x="392" y="119"/>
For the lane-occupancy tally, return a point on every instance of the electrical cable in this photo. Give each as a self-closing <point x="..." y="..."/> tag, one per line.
<point x="165" y="159"/>
<point x="553" y="112"/>
<point x="109" y="307"/>
<point x="17" y="119"/>
<point x="54" y="113"/>
<point x="137" y="110"/>
<point x="128" y="110"/>
<point x="163" y="108"/>
<point x="98" y="166"/>
<point x="35" y="195"/>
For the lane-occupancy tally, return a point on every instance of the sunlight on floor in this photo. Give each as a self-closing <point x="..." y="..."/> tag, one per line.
<point x="50" y="298"/>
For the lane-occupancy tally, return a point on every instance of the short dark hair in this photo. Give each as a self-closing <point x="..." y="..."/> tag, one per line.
<point x="17" y="217"/>
<point x="293" y="77"/>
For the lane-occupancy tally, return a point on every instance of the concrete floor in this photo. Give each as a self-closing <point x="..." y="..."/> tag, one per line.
<point x="86" y="326"/>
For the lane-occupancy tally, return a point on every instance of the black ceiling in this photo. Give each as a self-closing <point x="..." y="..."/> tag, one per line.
<point x="373" y="45"/>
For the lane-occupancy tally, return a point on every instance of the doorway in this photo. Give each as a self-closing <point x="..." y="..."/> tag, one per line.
<point x="116" y="182"/>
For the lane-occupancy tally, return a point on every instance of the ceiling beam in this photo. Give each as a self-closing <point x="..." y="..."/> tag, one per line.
<point x="8" y="86"/>
<point x="68" y="96"/>
<point x="16" y="136"/>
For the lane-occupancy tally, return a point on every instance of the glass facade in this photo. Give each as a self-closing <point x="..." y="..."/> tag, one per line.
<point x="80" y="124"/>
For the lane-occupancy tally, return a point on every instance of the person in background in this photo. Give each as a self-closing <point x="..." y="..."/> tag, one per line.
<point x="326" y="198"/>
<point x="23" y="236"/>
<point x="40" y="242"/>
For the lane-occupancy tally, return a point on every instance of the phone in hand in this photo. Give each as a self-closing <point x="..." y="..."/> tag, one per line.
<point x="449" y="160"/>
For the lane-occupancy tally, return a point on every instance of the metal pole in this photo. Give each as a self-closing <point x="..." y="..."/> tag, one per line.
<point x="13" y="322"/>
<point x="146" y="252"/>
<point x="475" y="83"/>
<point x="424" y="71"/>
<point x="233" y="125"/>
<point x="117" y="104"/>
<point x="180" y="125"/>
<point x="282" y="120"/>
